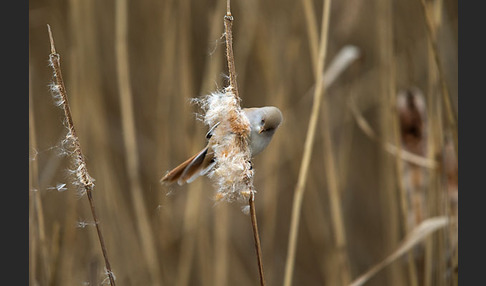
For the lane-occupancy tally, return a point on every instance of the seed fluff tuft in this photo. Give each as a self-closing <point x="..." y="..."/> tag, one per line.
<point x="232" y="174"/>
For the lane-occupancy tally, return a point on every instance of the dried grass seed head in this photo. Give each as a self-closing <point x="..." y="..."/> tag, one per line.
<point x="232" y="174"/>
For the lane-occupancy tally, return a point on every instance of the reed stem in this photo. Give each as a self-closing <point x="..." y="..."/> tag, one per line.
<point x="82" y="172"/>
<point x="228" y="24"/>
<point x="254" y="225"/>
<point x="309" y="142"/>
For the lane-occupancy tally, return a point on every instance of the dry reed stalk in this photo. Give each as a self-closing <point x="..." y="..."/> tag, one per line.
<point x="387" y="182"/>
<point x="256" y="237"/>
<point x="319" y="232"/>
<point x="434" y="125"/>
<point x="145" y="232"/>
<point x="335" y="201"/>
<point x="438" y="205"/>
<point x="228" y="34"/>
<point x="443" y="179"/>
<point x="82" y="176"/>
<point x="435" y="144"/>
<point x="233" y="87"/>
<point x="346" y="56"/>
<point x="432" y="40"/>
<point x="309" y="142"/>
<point x="311" y="24"/>
<point x="36" y="216"/>
<point x="419" y="233"/>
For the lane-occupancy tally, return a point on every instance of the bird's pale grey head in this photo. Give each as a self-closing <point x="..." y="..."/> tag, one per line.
<point x="264" y="122"/>
<point x="271" y="119"/>
<point x="264" y="119"/>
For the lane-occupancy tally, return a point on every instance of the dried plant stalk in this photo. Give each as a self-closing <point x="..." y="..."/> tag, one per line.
<point x="257" y="238"/>
<point x="240" y="127"/>
<point x="228" y="32"/>
<point x="432" y="39"/>
<point x="416" y="236"/>
<point x="309" y="142"/>
<point x="83" y="179"/>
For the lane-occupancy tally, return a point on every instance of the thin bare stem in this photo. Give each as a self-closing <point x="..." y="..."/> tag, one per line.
<point x="309" y="142"/>
<point x="256" y="237"/>
<point x="432" y="38"/>
<point x="311" y="23"/>
<point x="417" y="235"/>
<point x="82" y="172"/>
<point x="337" y="219"/>
<point x="228" y="24"/>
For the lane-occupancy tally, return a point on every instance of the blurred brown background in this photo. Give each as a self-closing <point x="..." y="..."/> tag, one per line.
<point x="174" y="51"/>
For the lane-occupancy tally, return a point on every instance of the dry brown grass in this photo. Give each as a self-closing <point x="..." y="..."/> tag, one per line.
<point x="173" y="52"/>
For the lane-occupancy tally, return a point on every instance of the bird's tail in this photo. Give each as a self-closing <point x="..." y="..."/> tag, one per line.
<point x="192" y="168"/>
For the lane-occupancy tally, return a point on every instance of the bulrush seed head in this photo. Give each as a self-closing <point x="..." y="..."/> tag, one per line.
<point x="232" y="174"/>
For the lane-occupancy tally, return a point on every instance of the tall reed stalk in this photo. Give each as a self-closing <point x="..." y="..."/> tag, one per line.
<point x="228" y="24"/>
<point x="434" y="48"/>
<point x="83" y="179"/>
<point x="388" y="175"/>
<point x="309" y="142"/>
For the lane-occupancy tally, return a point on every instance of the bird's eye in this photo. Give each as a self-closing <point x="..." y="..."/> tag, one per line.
<point x="263" y="121"/>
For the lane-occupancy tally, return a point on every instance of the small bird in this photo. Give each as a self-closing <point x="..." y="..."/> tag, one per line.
<point x="264" y="121"/>
<point x="412" y="114"/>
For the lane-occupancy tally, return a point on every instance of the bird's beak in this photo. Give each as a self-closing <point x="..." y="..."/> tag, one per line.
<point x="261" y="130"/>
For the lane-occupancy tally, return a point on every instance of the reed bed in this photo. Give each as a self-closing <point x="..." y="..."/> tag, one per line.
<point x="131" y="68"/>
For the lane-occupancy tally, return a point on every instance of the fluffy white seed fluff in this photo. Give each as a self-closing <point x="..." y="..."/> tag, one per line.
<point x="69" y="146"/>
<point x="232" y="174"/>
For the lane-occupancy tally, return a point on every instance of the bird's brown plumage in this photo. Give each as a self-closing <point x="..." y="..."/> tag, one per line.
<point x="190" y="169"/>
<point x="263" y="120"/>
